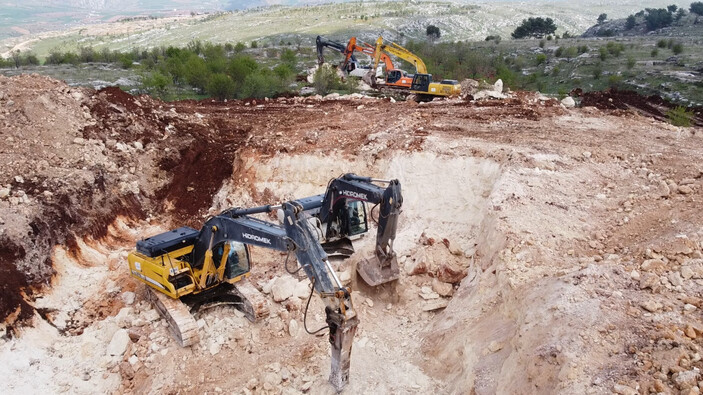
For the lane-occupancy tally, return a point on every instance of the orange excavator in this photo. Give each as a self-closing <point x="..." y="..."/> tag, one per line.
<point x="395" y="78"/>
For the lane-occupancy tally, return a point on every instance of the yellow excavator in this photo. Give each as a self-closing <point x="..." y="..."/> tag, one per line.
<point x="186" y="269"/>
<point x="422" y="84"/>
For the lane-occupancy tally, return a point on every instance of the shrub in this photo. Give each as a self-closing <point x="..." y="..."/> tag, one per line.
<point x="220" y="86"/>
<point x="541" y="43"/>
<point x="631" y="62"/>
<point x="583" y="49"/>
<point x="661" y="43"/>
<point x="677" y="48"/>
<point x="614" y="81"/>
<point x="156" y="83"/>
<point x="126" y="61"/>
<point x="288" y="57"/>
<point x="540" y="58"/>
<point x="603" y="53"/>
<point x="254" y="44"/>
<point x="654" y="53"/>
<point x="239" y="47"/>
<point x="597" y="71"/>
<point x="325" y="80"/>
<point x="559" y="52"/>
<point x="680" y="116"/>
<point x="258" y="85"/>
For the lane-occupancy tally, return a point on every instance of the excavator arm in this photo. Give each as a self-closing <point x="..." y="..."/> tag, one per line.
<point x="296" y="236"/>
<point x="367" y="49"/>
<point x="384" y="266"/>
<point x="402" y="53"/>
<point x="322" y="43"/>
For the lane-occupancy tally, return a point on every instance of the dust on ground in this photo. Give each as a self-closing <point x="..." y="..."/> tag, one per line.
<point x="542" y="248"/>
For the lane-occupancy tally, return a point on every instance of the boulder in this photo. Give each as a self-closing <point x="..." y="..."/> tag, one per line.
<point x="283" y="288"/>
<point x="450" y="273"/>
<point x="118" y="344"/>
<point x="568" y="102"/>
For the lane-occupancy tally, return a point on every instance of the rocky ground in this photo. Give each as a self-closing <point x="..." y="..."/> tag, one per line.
<point x="543" y="248"/>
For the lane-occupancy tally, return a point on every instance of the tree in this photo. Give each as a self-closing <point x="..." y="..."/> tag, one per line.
<point x="631" y="22"/>
<point x="325" y="79"/>
<point x="535" y="27"/>
<point x="680" y="14"/>
<point x="433" y="32"/>
<point x="16" y="58"/>
<point x="672" y="8"/>
<point x="602" y="18"/>
<point x="658" y="18"/>
<point x="697" y="7"/>
<point x="156" y="83"/>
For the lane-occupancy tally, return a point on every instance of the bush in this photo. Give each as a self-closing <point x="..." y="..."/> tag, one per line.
<point x="631" y="62"/>
<point x="603" y="53"/>
<point x="126" y="61"/>
<point x="254" y="44"/>
<point x="597" y="71"/>
<point x="615" y="81"/>
<point x="196" y="72"/>
<point x="541" y="43"/>
<point x="654" y="53"/>
<point x="559" y="52"/>
<point x="289" y="58"/>
<point x="220" y="86"/>
<point x="156" y="84"/>
<point x="583" y="49"/>
<point x="495" y="38"/>
<point x="325" y="80"/>
<point x="680" y="116"/>
<point x="540" y="58"/>
<point x="239" y="47"/>
<point x="258" y="85"/>
<point x="661" y="43"/>
<point x="677" y="48"/>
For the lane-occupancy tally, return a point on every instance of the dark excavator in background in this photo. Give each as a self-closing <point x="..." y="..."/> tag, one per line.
<point x="187" y="269"/>
<point x="340" y="214"/>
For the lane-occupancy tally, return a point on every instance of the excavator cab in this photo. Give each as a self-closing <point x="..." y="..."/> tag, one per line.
<point x="235" y="256"/>
<point x="356" y="217"/>
<point x="421" y="82"/>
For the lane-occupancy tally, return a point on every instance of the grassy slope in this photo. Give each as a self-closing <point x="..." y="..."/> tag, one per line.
<point x="393" y="19"/>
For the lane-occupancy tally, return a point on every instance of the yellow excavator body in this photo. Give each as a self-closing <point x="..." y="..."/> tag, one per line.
<point x="171" y="273"/>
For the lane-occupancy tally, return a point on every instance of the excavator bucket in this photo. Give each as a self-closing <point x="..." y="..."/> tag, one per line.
<point x="375" y="273"/>
<point x="342" y="247"/>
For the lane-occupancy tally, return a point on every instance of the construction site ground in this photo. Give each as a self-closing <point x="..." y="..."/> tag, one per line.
<point x="543" y="249"/>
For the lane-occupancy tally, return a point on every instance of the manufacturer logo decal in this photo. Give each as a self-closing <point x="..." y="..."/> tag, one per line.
<point x="260" y="239"/>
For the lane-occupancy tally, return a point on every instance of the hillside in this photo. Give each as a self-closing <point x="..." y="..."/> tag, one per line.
<point x="394" y="19"/>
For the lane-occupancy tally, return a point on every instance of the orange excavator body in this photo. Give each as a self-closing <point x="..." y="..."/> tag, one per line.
<point x="394" y="77"/>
